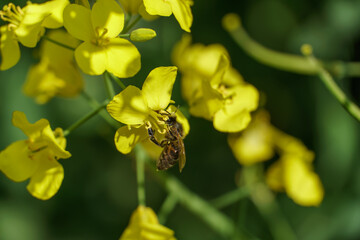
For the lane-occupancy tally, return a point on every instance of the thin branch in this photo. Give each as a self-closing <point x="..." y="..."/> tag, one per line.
<point x="283" y="61"/>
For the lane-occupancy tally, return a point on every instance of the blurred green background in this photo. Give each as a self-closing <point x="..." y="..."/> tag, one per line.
<point x="98" y="193"/>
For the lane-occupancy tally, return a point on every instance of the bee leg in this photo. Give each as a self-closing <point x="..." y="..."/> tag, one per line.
<point x="152" y="136"/>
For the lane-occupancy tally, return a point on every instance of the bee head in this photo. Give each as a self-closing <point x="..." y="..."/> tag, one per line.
<point x="171" y="120"/>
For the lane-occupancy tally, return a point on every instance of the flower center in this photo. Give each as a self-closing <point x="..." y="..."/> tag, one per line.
<point x="12" y="14"/>
<point x="100" y="37"/>
<point x="155" y="121"/>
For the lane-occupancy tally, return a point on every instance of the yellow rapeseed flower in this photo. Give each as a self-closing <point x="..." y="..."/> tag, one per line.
<point x="26" y="25"/>
<point x="56" y="74"/>
<point x="36" y="158"/>
<point x="102" y="50"/>
<point x="292" y="172"/>
<point x="180" y="8"/>
<point x="141" y="109"/>
<point x="144" y="225"/>
<point x="255" y="143"/>
<point x="214" y="90"/>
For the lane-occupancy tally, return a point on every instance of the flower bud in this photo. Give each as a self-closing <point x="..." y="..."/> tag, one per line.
<point x="142" y="34"/>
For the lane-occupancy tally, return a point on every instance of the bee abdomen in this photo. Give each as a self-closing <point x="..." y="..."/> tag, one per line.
<point x="168" y="157"/>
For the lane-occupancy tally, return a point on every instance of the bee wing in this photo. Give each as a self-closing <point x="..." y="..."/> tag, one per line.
<point x="182" y="157"/>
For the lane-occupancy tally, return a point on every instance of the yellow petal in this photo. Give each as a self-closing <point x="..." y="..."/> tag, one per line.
<point x="235" y="115"/>
<point x="42" y="83"/>
<point x="157" y="87"/>
<point x="145" y="225"/>
<point x="152" y="150"/>
<point x="9" y="48"/>
<point x="56" y="54"/>
<point x="275" y="176"/>
<point x="145" y="15"/>
<point x="250" y="148"/>
<point x="16" y="163"/>
<point x="232" y="77"/>
<point x="158" y="7"/>
<point x="129" y="107"/>
<point x="91" y="59"/>
<point x="56" y="10"/>
<point x="218" y="76"/>
<point x="131" y="6"/>
<point x="84" y="3"/>
<point x="208" y="104"/>
<point x="190" y="86"/>
<point x="33" y="131"/>
<point x="301" y="183"/>
<point x="180" y="49"/>
<point x="126" y="139"/>
<point x="182" y="12"/>
<point x="123" y="58"/>
<point x="47" y="180"/>
<point x="228" y="122"/>
<point x="107" y="14"/>
<point x="77" y="21"/>
<point x="30" y="28"/>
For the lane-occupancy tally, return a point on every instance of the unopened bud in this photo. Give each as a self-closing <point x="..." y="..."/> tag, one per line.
<point x="231" y="22"/>
<point x="306" y="49"/>
<point x="142" y="34"/>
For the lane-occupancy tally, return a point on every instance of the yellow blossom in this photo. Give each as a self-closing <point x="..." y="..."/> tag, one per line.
<point x="214" y="90"/>
<point x="295" y="176"/>
<point x="144" y="225"/>
<point x="180" y="8"/>
<point x="102" y="50"/>
<point x="255" y="143"/>
<point x="26" y="25"/>
<point x="141" y="109"/>
<point x="36" y="158"/>
<point x="56" y="74"/>
<point x="292" y="172"/>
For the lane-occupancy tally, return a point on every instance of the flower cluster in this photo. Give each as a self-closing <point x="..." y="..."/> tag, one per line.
<point x="36" y="158"/>
<point x="212" y="87"/>
<point x="95" y="37"/>
<point x="26" y="25"/>
<point x="141" y="109"/>
<point x="292" y="172"/>
<point x="56" y="74"/>
<point x="99" y="39"/>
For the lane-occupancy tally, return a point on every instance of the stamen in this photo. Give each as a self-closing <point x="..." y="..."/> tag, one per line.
<point x="148" y="125"/>
<point x="12" y="14"/>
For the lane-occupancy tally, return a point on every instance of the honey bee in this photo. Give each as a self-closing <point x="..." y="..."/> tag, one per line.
<point x="173" y="144"/>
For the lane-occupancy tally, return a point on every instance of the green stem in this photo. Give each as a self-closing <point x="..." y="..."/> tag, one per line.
<point x="85" y="118"/>
<point x="127" y="19"/>
<point x="95" y="104"/>
<point x="140" y="174"/>
<point x="132" y="24"/>
<point x="125" y="35"/>
<point x="108" y="85"/>
<point x="265" y="202"/>
<point x="167" y="207"/>
<point x="230" y="197"/>
<point x="205" y="211"/>
<point x="118" y="81"/>
<point x="334" y="89"/>
<point x="288" y="62"/>
<point x="58" y="43"/>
